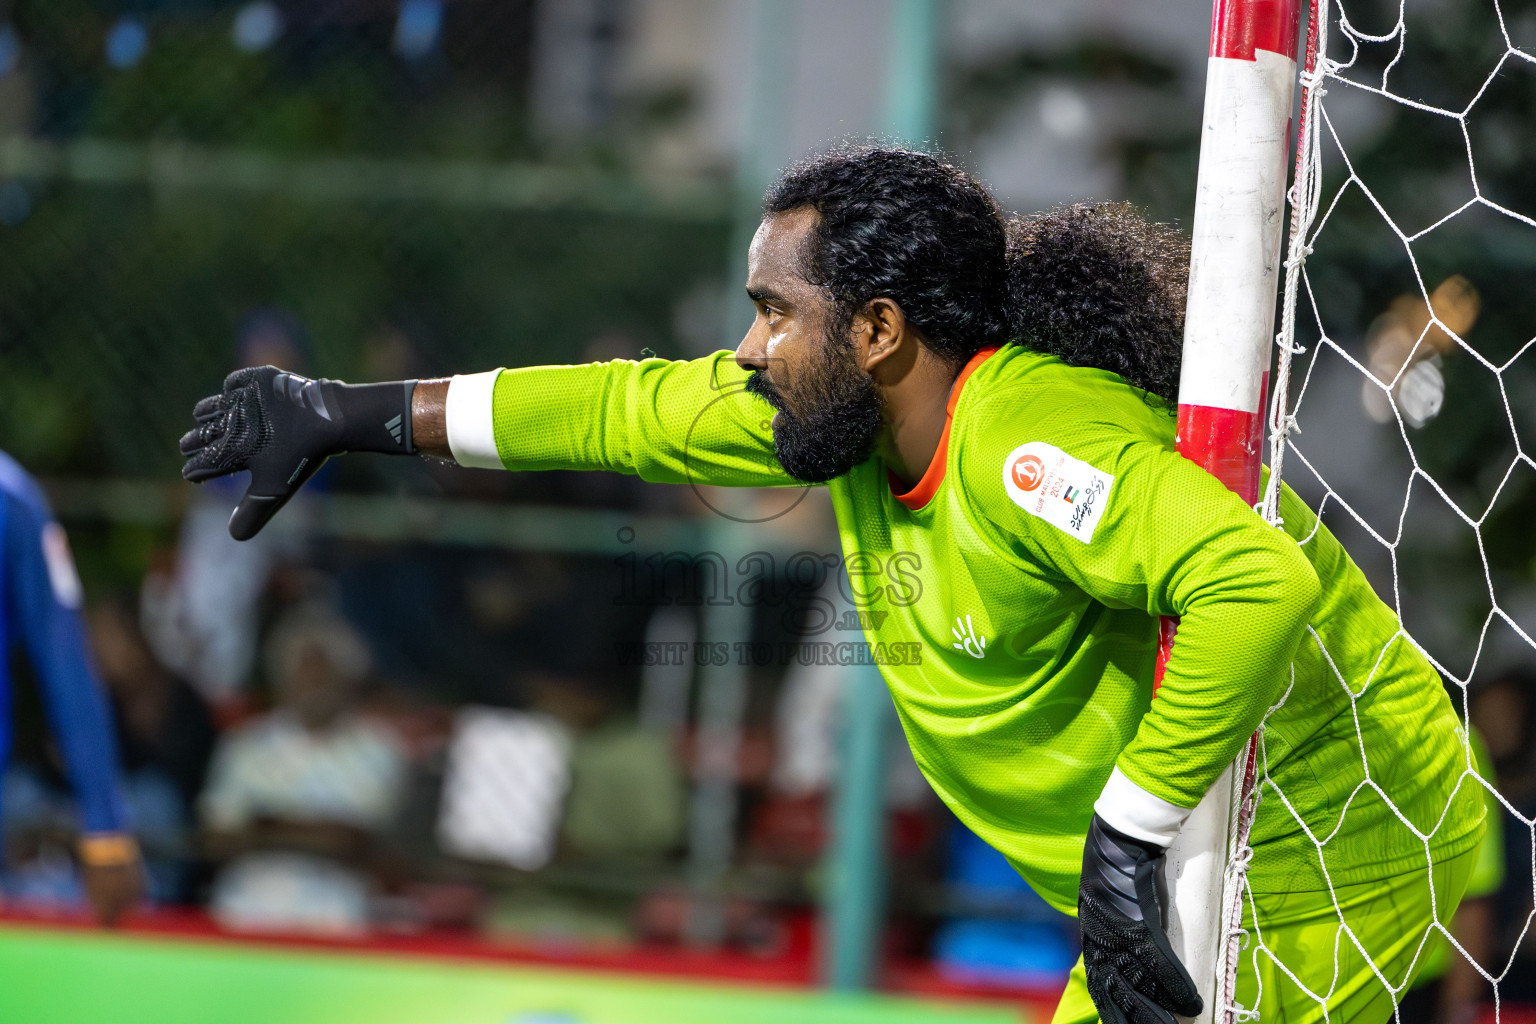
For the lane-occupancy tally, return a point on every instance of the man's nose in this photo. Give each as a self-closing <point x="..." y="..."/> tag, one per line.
<point x="752" y="353"/>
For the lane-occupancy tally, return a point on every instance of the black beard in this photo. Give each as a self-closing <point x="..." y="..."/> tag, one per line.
<point x="842" y="421"/>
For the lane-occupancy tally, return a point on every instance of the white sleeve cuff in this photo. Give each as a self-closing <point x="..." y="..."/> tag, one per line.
<point x="1126" y="807"/>
<point x="471" y="428"/>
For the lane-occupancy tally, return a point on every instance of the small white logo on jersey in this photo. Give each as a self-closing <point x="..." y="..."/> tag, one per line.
<point x="61" y="567"/>
<point x="967" y="639"/>
<point x="1049" y="484"/>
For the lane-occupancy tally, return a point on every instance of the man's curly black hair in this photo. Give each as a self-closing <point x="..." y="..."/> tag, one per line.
<point x="1096" y="285"/>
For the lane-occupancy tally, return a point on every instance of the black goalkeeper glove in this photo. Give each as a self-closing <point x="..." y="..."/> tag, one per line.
<point x="282" y="427"/>
<point x="1133" y="976"/>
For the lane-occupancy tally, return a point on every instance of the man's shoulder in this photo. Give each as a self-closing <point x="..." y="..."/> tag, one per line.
<point x="1020" y="387"/>
<point x="1041" y="445"/>
<point x="1032" y="399"/>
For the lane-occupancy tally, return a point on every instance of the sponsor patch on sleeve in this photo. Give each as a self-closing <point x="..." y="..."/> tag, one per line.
<point x="1048" y="483"/>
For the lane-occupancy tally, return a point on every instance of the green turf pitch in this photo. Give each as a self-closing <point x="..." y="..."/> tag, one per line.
<point x="77" y="978"/>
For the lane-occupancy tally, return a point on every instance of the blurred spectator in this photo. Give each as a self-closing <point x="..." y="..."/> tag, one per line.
<point x="569" y="775"/>
<point x="39" y="611"/>
<point x="167" y="737"/>
<point x="1406" y="346"/>
<point x="627" y="792"/>
<point x="204" y="619"/>
<point x="296" y="797"/>
<point x="1504" y="712"/>
<point x="627" y="798"/>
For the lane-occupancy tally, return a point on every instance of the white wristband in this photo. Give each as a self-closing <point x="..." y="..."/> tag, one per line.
<point x="471" y="428"/>
<point x="1126" y="807"/>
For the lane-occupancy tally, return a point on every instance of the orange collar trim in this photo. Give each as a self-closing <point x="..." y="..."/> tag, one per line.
<point x="928" y="486"/>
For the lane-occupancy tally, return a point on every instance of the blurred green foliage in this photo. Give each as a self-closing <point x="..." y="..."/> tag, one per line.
<point x="119" y="301"/>
<point x="119" y="308"/>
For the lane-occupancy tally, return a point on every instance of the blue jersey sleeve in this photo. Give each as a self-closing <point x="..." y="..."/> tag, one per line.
<point x="43" y="613"/>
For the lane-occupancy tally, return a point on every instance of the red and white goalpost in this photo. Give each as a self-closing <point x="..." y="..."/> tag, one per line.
<point x="1387" y="352"/>
<point x="1228" y="333"/>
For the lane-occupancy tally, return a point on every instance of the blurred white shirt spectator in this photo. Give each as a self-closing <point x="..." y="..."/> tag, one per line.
<point x="294" y="794"/>
<point x="276" y="767"/>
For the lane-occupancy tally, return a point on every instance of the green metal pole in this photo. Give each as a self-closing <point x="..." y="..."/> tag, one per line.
<point x="721" y="707"/>
<point x="855" y="884"/>
<point x="723" y="688"/>
<point x="764" y="145"/>
<point x="854" y="899"/>
<point x="911" y="84"/>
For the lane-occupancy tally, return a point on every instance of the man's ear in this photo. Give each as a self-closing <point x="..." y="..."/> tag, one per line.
<point x="883" y="334"/>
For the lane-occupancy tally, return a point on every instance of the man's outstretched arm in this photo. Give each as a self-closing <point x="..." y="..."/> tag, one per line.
<point x="689" y="421"/>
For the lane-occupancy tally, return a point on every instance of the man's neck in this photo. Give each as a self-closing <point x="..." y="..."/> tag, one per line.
<point x="915" y="411"/>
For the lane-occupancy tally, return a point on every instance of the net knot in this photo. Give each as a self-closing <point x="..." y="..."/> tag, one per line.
<point x="1240" y="1014"/>
<point x="1324" y="68"/>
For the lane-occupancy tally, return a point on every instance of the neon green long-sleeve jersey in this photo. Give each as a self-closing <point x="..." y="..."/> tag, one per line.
<point x="1023" y="577"/>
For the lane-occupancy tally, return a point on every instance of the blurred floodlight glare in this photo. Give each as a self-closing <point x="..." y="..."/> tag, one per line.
<point x="419" y="24"/>
<point x="1065" y="113"/>
<point x="10" y="50"/>
<point x="257" y="26"/>
<point x="127" y="42"/>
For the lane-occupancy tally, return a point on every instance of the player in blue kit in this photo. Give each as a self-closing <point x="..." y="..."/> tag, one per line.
<point x="40" y="612"/>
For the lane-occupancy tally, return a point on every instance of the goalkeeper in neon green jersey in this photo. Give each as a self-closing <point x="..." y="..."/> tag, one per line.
<point x="988" y="402"/>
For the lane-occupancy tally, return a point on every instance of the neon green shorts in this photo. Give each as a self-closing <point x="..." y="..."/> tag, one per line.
<point x="1301" y="966"/>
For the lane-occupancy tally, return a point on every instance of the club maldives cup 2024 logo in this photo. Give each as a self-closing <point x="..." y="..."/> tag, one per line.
<point x="1028" y="472"/>
<point x="1051" y="485"/>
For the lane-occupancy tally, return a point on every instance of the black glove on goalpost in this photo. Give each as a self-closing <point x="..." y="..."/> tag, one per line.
<point x="1132" y="973"/>
<point x="282" y="427"/>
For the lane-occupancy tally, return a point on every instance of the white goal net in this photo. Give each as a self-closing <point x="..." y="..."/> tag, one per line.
<point x="1404" y="410"/>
